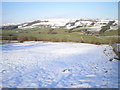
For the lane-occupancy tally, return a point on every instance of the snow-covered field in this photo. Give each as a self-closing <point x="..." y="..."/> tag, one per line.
<point x="58" y="65"/>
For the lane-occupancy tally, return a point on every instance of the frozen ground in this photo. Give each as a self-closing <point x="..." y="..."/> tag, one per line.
<point x="58" y="65"/>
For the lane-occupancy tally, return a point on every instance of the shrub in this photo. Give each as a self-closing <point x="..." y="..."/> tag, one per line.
<point x="111" y="22"/>
<point x="31" y="38"/>
<point x="53" y="32"/>
<point x="22" y="39"/>
<point x="10" y="27"/>
<point x="104" y="28"/>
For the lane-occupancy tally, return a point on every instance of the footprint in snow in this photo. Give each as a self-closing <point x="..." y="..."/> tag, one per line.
<point x="66" y="71"/>
<point x="3" y="71"/>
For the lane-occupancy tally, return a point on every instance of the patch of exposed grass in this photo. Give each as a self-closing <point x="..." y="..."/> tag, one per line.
<point x="110" y="33"/>
<point x="57" y="35"/>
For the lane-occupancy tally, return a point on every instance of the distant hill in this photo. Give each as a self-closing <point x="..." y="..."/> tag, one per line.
<point x="63" y="23"/>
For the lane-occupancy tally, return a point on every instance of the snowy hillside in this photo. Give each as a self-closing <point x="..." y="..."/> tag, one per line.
<point x="92" y="24"/>
<point x="67" y="23"/>
<point x="58" y="65"/>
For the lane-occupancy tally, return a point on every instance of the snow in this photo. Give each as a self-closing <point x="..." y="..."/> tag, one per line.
<point x="54" y="22"/>
<point x="58" y="65"/>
